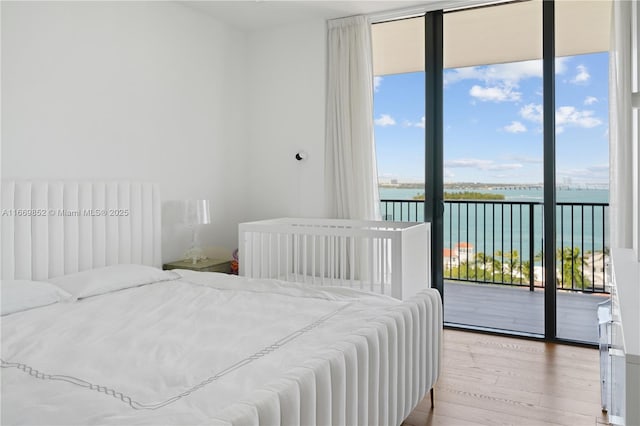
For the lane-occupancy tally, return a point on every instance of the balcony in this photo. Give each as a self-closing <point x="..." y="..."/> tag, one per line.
<point x="494" y="270"/>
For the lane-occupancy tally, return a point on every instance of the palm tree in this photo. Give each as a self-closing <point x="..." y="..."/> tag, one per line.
<point x="539" y="256"/>
<point x="572" y="265"/>
<point x="488" y="266"/>
<point x="511" y="260"/>
<point x="525" y="270"/>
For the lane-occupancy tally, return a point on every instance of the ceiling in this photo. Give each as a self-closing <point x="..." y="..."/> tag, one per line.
<point x="249" y="15"/>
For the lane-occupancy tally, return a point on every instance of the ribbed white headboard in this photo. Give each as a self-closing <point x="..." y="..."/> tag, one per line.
<point x="55" y="228"/>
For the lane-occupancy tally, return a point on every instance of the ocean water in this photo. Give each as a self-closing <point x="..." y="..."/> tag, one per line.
<point x="515" y="224"/>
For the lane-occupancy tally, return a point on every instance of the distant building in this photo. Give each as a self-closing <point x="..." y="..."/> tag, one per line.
<point x="465" y="252"/>
<point x="450" y="258"/>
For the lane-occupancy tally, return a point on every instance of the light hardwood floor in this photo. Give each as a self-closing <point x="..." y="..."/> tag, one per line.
<point x="494" y="380"/>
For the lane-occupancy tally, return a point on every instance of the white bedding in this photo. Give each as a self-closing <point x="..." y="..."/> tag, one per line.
<point x="216" y="349"/>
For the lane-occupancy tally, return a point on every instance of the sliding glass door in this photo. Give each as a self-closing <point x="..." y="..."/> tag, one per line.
<point x="582" y="168"/>
<point x="493" y="170"/>
<point x="507" y="209"/>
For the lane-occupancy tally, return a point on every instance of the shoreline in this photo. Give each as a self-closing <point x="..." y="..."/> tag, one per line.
<point x="496" y="186"/>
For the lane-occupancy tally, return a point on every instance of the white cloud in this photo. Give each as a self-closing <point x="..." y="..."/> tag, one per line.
<point x="511" y="166"/>
<point x="582" y="77"/>
<point x="568" y="115"/>
<point x="514" y="71"/>
<point x="515" y="127"/>
<point x="532" y="112"/>
<point x="565" y="116"/>
<point x="510" y="73"/>
<point x="385" y="120"/>
<point x="590" y="100"/>
<point x="524" y="159"/>
<point x="421" y="123"/>
<point x="377" y="81"/>
<point x="495" y="94"/>
<point x="480" y="164"/>
<point x="593" y="173"/>
<point x="468" y="162"/>
<point x="459" y="74"/>
<point x="561" y="65"/>
<point x="501" y="81"/>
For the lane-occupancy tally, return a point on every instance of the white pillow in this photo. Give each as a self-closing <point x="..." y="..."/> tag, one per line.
<point x="110" y="278"/>
<point x="20" y="295"/>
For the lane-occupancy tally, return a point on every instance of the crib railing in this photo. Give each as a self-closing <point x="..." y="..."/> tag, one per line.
<point x="384" y="257"/>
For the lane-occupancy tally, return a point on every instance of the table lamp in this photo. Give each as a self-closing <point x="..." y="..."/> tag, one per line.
<point x="196" y="212"/>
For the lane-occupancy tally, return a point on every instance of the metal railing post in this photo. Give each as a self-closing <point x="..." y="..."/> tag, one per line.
<point x="531" y="248"/>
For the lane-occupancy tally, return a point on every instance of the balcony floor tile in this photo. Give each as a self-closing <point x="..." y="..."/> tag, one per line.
<point x="517" y="309"/>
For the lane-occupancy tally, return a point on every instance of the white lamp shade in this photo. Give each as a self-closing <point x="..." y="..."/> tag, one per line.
<point x="196" y="212"/>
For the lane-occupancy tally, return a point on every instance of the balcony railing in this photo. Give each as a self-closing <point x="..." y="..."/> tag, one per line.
<point x="501" y="242"/>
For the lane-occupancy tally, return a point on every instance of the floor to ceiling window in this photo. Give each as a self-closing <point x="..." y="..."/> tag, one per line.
<point x="582" y="168"/>
<point x="399" y="117"/>
<point x="492" y="241"/>
<point x="493" y="167"/>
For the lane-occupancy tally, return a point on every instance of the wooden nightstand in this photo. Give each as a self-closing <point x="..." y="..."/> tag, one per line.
<point x="207" y="265"/>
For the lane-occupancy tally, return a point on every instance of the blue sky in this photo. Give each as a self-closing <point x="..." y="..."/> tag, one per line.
<point x="493" y="122"/>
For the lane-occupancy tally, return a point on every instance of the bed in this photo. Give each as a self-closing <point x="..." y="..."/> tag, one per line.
<point x="127" y="343"/>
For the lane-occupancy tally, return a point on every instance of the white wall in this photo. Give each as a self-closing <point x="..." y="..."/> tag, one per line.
<point x="635" y="76"/>
<point x="161" y="92"/>
<point x="287" y="113"/>
<point x="148" y="91"/>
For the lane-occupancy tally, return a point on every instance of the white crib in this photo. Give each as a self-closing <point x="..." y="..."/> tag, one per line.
<point x="391" y="258"/>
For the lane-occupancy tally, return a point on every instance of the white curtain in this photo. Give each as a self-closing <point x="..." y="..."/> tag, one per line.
<point x="620" y="128"/>
<point x="350" y="158"/>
